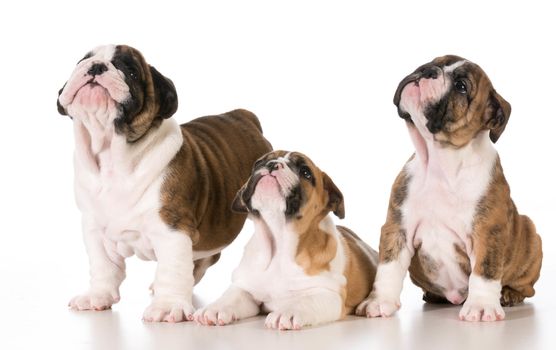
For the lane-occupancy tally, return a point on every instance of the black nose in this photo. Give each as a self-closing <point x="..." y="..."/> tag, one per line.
<point x="273" y="165"/>
<point x="97" y="69"/>
<point x="430" y="72"/>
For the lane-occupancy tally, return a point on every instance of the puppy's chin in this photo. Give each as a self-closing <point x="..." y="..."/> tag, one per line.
<point x="92" y="97"/>
<point x="268" y="196"/>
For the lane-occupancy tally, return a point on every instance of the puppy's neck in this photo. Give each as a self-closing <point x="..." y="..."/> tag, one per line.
<point x="448" y="162"/>
<point x="311" y="244"/>
<point x="99" y="148"/>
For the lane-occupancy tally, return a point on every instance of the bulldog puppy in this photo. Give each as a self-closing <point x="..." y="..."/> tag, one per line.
<point x="147" y="186"/>
<point x="451" y="220"/>
<point x="298" y="265"/>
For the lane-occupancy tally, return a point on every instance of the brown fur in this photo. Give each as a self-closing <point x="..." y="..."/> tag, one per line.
<point x="392" y="235"/>
<point x="203" y="178"/>
<point x="361" y="266"/>
<point x="506" y="244"/>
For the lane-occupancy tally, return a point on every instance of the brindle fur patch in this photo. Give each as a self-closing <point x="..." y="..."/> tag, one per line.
<point x="423" y="271"/>
<point x="458" y="117"/>
<point x="393" y="236"/>
<point x="506" y="244"/>
<point x="202" y="180"/>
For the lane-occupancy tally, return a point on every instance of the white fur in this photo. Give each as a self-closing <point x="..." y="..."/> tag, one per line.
<point x="444" y="190"/>
<point x="483" y="303"/>
<point x="384" y="299"/>
<point x="268" y="276"/>
<point x="117" y="188"/>
<point x="452" y="67"/>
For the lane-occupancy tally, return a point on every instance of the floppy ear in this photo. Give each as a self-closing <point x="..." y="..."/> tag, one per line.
<point x="238" y="205"/>
<point x="61" y="109"/>
<point x="166" y="95"/>
<point x="335" y="197"/>
<point x="497" y="115"/>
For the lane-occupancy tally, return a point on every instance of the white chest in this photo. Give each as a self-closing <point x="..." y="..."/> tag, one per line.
<point x="122" y="209"/>
<point x="439" y="209"/>
<point x="269" y="272"/>
<point x="118" y="186"/>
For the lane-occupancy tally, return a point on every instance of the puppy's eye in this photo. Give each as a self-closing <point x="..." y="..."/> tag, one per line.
<point x="460" y="86"/>
<point x="305" y="172"/>
<point x="133" y="75"/>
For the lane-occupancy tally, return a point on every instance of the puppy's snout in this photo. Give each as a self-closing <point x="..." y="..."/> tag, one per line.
<point x="97" y="69"/>
<point x="430" y="72"/>
<point x="273" y="165"/>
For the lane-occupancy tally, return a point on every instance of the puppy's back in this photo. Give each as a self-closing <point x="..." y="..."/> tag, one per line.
<point x="361" y="264"/>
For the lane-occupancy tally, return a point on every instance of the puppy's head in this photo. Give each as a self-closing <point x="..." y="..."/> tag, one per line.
<point x="117" y="82"/>
<point x="290" y="184"/>
<point x="451" y="100"/>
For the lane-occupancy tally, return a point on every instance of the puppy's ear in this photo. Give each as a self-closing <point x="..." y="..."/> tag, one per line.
<point x="61" y="109"/>
<point x="166" y="95"/>
<point x="497" y="115"/>
<point x="335" y="197"/>
<point x="239" y="205"/>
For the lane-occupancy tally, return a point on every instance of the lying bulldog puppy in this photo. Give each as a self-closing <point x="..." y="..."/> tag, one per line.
<point x="451" y="220"/>
<point x="147" y="186"/>
<point x="298" y="265"/>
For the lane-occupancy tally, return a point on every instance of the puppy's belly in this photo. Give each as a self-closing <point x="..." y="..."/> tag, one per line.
<point x="440" y="264"/>
<point x="128" y="243"/>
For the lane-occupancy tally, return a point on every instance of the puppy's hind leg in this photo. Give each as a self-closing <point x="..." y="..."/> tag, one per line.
<point x="510" y="297"/>
<point x="201" y="266"/>
<point x="524" y="267"/>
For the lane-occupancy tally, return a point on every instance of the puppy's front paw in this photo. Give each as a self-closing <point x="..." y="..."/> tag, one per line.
<point x="378" y="307"/>
<point x="172" y="311"/>
<point x="214" y="314"/>
<point x="478" y="310"/>
<point x="94" y="301"/>
<point x="287" y="320"/>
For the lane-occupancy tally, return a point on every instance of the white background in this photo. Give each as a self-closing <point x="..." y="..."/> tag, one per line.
<point x="321" y="76"/>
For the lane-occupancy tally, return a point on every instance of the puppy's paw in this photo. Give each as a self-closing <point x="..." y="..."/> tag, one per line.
<point x="288" y="320"/>
<point x="171" y="311"/>
<point x="215" y="315"/>
<point x="98" y="300"/>
<point x="378" y="307"/>
<point x="475" y="310"/>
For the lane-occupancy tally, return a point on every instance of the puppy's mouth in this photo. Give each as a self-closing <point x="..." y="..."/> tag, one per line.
<point x="268" y="181"/>
<point x="408" y="86"/>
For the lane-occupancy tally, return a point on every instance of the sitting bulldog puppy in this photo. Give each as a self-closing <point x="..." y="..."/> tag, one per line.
<point x="451" y="220"/>
<point x="298" y="265"/>
<point x="148" y="186"/>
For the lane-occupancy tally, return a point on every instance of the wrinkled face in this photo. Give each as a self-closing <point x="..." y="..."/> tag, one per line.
<point x="117" y="86"/>
<point x="289" y="183"/>
<point x="450" y="100"/>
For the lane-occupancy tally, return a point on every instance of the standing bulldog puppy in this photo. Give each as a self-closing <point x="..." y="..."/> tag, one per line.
<point x="147" y="186"/>
<point x="451" y="220"/>
<point x="298" y="265"/>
